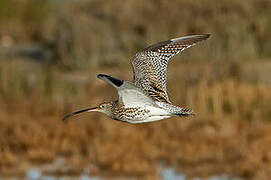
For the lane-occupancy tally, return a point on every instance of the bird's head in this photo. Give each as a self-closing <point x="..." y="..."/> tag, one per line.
<point x="104" y="107"/>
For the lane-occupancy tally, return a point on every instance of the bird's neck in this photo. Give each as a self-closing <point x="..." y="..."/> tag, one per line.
<point x="113" y="105"/>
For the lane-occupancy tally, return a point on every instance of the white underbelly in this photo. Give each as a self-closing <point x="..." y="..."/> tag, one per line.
<point x="154" y="114"/>
<point x="155" y="111"/>
<point x="149" y="119"/>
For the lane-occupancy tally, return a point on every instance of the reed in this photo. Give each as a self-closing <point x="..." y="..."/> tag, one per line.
<point x="51" y="51"/>
<point x="229" y="111"/>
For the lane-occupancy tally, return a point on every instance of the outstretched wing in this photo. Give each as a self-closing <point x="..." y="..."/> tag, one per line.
<point x="150" y="65"/>
<point x="128" y="93"/>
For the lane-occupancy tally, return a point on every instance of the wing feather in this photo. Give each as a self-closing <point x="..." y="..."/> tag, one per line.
<point x="129" y="95"/>
<point x="150" y="65"/>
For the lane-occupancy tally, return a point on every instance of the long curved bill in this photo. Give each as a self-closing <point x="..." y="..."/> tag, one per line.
<point x="78" y="112"/>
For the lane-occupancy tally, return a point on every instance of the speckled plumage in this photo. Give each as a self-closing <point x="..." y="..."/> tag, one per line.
<point x="146" y="99"/>
<point x="119" y="112"/>
<point x="150" y="65"/>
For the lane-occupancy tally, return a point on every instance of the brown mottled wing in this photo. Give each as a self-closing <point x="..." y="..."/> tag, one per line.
<point x="150" y="65"/>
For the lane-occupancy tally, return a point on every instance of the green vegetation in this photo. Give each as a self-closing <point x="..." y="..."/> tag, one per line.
<point x="82" y="34"/>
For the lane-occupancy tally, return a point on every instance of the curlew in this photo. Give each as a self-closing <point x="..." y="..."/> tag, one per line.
<point x="146" y="99"/>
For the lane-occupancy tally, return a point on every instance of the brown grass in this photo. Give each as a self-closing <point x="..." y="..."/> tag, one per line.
<point x="82" y="34"/>
<point x="51" y="51"/>
<point x="233" y="119"/>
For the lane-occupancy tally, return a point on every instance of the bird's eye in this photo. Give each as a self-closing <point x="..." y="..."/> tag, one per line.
<point x="102" y="106"/>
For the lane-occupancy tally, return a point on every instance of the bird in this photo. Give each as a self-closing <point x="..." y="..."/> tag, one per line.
<point x="145" y="99"/>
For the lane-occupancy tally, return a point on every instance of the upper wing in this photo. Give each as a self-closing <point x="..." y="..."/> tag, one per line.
<point x="150" y="65"/>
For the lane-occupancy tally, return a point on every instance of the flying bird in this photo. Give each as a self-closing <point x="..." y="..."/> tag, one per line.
<point x="146" y="99"/>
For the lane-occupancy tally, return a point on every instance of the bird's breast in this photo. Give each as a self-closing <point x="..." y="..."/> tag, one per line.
<point x="140" y="114"/>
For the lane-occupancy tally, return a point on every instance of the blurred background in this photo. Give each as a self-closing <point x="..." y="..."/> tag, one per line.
<point x="51" y="51"/>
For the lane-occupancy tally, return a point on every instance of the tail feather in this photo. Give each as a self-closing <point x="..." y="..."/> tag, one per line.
<point x="175" y="110"/>
<point x="185" y="112"/>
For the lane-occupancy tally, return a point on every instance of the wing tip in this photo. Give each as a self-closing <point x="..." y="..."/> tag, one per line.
<point x="206" y="36"/>
<point x="198" y="37"/>
<point x="114" y="81"/>
<point x="101" y="76"/>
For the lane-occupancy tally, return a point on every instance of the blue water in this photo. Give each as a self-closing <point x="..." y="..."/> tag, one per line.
<point x="36" y="174"/>
<point x="171" y="174"/>
<point x="166" y="173"/>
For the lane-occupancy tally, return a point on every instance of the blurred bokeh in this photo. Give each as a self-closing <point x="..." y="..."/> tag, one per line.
<point x="51" y="51"/>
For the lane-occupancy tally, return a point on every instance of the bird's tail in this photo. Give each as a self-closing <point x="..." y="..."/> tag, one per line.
<point x="175" y="110"/>
<point x="184" y="112"/>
